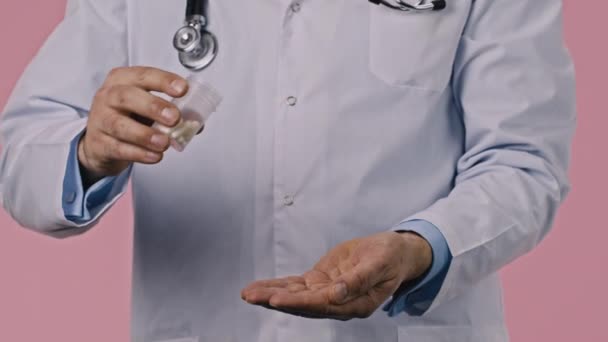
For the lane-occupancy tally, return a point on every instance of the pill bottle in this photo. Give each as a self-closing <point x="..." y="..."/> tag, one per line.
<point x="196" y="107"/>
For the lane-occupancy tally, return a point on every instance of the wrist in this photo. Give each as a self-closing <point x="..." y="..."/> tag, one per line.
<point x="88" y="174"/>
<point x="418" y="255"/>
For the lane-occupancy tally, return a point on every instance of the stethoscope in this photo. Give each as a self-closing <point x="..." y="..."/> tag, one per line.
<point x="419" y="6"/>
<point x="197" y="47"/>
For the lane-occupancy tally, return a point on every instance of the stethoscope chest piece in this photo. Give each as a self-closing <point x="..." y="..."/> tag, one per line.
<point x="196" y="50"/>
<point x="196" y="46"/>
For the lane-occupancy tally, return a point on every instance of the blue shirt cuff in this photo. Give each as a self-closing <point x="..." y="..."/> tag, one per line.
<point x="80" y="206"/>
<point x="415" y="298"/>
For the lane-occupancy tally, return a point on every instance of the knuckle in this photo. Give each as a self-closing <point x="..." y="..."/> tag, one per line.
<point x="97" y="118"/>
<point x="118" y="94"/>
<point x="111" y="124"/>
<point x="155" y="106"/>
<point x="169" y="78"/>
<point x="101" y="93"/>
<point x="110" y="92"/>
<point x="121" y="126"/>
<point x="119" y="151"/>
<point x="115" y="72"/>
<point x="142" y="74"/>
<point x="108" y="149"/>
<point x="142" y="137"/>
<point x="137" y="156"/>
<point x="91" y="137"/>
<point x="141" y="157"/>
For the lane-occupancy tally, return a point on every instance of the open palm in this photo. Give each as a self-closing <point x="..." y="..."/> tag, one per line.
<point x="351" y="281"/>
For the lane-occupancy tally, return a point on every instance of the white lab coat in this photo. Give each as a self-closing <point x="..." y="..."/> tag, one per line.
<point x="462" y="118"/>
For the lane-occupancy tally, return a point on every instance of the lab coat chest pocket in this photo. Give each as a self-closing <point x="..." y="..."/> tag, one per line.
<point x="415" y="49"/>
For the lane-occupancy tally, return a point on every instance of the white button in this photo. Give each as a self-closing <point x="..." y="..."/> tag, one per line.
<point x="292" y="100"/>
<point x="295" y="7"/>
<point x="288" y="200"/>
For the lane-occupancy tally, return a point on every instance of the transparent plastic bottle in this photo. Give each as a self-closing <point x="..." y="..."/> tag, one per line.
<point x="196" y="107"/>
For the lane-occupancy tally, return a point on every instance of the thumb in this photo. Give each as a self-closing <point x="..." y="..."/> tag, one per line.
<point x="352" y="284"/>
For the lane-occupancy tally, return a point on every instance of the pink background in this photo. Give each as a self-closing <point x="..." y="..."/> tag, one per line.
<point x="78" y="289"/>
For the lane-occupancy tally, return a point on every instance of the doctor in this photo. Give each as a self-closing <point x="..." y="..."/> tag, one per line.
<point x="365" y="163"/>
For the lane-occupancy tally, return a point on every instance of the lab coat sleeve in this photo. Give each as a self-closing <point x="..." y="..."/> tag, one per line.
<point x="416" y="297"/>
<point x="82" y="206"/>
<point x="49" y="108"/>
<point x="514" y="82"/>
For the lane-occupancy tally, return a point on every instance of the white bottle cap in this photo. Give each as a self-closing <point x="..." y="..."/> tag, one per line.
<point x="200" y="102"/>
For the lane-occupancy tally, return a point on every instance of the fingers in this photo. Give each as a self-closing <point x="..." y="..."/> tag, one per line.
<point x="110" y="148"/>
<point x="281" y="282"/>
<point x="317" y="304"/>
<point x="261" y="296"/>
<point x="123" y="108"/>
<point x="304" y="301"/>
<point x="150" y="79"/>
<point x="129" y="131"/>
<point x="259" y="289"/>
<point x="130" y="99"/>
<point x="310" y="303"/>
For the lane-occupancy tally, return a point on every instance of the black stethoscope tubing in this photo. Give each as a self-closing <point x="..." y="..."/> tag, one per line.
<point x="420" y="6"/>
<point x="197" y="7"/>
